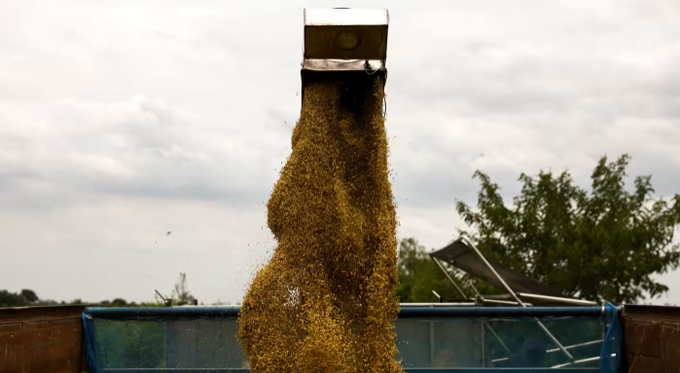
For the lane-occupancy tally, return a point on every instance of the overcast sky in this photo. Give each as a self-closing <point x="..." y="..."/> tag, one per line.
<point x="121" y="121"/>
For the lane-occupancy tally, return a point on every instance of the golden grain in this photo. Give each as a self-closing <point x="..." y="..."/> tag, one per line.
<point x="326" y="301"/>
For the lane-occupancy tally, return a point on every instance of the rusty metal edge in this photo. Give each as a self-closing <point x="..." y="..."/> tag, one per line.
<point x="42" y="312"/>
<point x="656" y="313"/>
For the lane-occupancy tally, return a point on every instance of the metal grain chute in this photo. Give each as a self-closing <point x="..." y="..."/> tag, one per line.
<point x="345" y="42"/>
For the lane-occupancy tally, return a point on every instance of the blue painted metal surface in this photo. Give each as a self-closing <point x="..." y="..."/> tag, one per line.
<point x="195" y="337"/>
<point x="405" y="312"/>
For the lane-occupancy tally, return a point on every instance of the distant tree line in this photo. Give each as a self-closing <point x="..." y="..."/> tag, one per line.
<point x="180" y="295"/>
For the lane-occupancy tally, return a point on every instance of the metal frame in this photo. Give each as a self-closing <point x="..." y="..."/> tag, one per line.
<point x="479" y="296"/>
<point x="554" y="349"/>
<point x="519" y="301"/>
<point x="428" y="312"/>
<point x="513" y="295"/>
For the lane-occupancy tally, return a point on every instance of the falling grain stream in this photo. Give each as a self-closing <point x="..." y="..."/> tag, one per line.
<point x="326" y="300"/>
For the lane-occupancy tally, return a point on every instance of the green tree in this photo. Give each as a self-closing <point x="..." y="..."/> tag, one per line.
<point x="119" y="302"/>
<point x="419" y="275"/>
<point x="22" y="299"/>
<point x="606" y="242"/>
<point x="29" y="295"/>
<point x="8" y="299"/>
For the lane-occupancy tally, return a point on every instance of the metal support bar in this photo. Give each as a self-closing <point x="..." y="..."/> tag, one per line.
<point x="504" y="302"/>
<point x="554" y="339"/>
<point x="432" y="342"/>
<point x="587" y="360"/>
<point x="577" y="345"/>
<point x="505" y="285"/>
<point x="497" y="337"/>
<point x="444" y="310"/>
<point x="449" y="277"/>
<point x="469" y="282"/>
<point x="474" y="288"/>
<point x="448" y="304"/>
<point x="493" y="270"/>
<point x="578" y="302"/>
<point x="483" y="344"/>
<point x="552" y="349"/>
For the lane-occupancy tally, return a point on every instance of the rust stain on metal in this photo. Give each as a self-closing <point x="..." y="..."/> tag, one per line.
<point x="651" y="338"/>
<point x="41" y="339"/>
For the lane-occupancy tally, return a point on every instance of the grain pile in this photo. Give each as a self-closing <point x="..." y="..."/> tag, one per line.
<point x="326" y="300"/>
